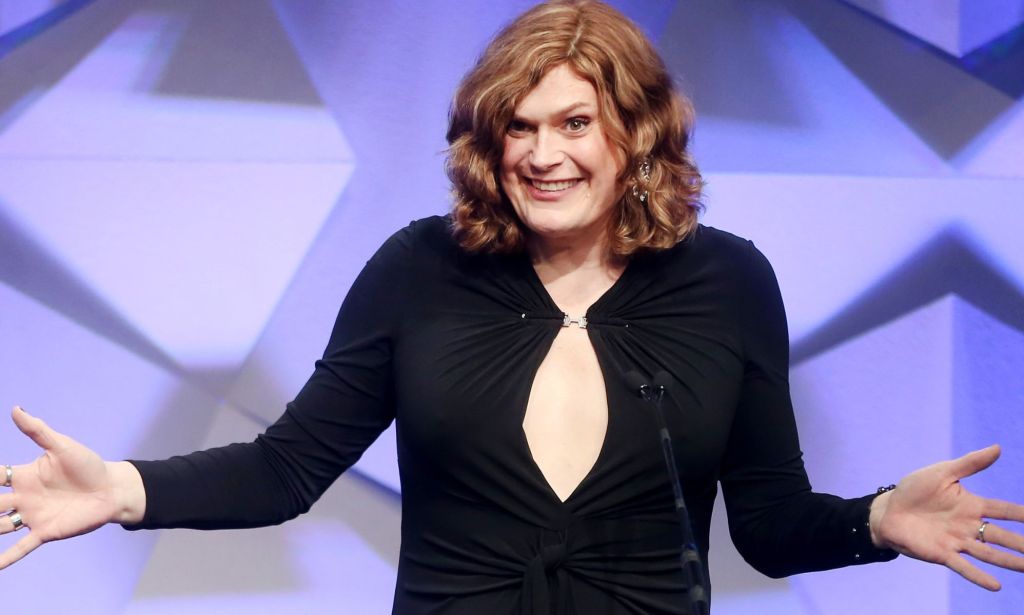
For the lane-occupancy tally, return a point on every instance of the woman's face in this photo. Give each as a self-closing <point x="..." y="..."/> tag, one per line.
<point x="559" y="169"/>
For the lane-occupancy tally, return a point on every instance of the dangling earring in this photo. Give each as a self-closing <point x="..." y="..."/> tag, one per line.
<point x="645" y="177"/>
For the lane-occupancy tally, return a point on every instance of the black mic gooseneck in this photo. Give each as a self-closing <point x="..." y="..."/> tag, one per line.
<point x="693" y="570"/>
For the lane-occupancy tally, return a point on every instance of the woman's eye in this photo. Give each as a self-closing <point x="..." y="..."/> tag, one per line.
<point x="577" y="124"/>
<point x="516" y="126"/>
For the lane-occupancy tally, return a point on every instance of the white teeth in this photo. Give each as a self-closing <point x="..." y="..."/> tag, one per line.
<point x="553" y="186"/>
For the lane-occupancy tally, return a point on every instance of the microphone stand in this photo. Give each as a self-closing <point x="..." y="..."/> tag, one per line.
<point x="693" y="571"/>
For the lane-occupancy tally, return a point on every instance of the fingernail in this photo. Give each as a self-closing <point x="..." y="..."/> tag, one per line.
<point x="20" y="408"/>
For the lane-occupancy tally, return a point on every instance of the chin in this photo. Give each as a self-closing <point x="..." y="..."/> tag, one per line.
<point x="557" y="225"/>
<point x="546" y="218"/>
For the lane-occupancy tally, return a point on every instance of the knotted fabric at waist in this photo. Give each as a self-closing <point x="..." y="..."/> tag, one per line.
<point x="537" y="596"/>
<point x="616" y="555"/>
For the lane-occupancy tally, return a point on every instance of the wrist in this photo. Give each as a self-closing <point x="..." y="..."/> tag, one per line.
<point x="129" y="492"/>
<point x="875" y="515"/>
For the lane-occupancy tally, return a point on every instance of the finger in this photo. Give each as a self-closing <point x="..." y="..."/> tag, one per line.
<point x="975" y="461"/>
<point x="972" y="573"/>
<point x="34" y="428"/>
<point x="6" y="502"/>
<point x="1004" y="538"/>
<point x="1000" y="509"/>
<point x="997" y="557"/>
<point x="19" y="550"/>
<point x="7" y="523"/>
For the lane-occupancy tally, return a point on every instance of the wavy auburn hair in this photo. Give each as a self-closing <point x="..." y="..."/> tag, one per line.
<point x="640" y="112"/>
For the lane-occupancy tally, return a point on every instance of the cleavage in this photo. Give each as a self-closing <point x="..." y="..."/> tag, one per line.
<point x="566" y="418"/>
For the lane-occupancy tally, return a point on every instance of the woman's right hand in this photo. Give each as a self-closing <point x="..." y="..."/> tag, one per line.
<point x="67" y="491"/>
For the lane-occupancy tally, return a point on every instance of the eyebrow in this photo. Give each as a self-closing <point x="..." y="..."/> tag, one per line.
<point x="569" y="110"/>
<point x="573" y="107"/>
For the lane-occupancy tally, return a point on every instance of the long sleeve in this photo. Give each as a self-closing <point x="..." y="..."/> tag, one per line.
<point x="346" y="403"/>
<point x="777" y="522"/>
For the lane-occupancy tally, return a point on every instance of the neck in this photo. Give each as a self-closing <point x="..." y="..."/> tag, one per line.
<point x="575" y="274"/>
<point x="568" y="256"/>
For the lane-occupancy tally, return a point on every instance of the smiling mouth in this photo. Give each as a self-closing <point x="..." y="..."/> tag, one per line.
<point x="552" y="186"/>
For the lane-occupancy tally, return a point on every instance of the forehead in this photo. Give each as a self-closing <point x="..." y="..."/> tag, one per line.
<point x="559" y="90"/>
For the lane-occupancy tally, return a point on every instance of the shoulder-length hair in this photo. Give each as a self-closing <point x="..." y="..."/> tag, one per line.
<point x="641" y="113"/>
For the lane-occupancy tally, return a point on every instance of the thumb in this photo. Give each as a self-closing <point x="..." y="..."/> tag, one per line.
<point x="34" y="428"/>
<point x="975" y="461"/>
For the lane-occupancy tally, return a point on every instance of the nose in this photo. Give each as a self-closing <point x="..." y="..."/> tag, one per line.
<point x="547" y="151"/>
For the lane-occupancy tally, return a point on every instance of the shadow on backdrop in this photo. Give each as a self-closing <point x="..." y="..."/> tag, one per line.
<point x="952" y="262"/>
<point x="29" y="268"/>
<point x="716" y="52"/>
<point x="220" y="55"/>
<point x="45" y="50"/>
<point x="931" y="92"/>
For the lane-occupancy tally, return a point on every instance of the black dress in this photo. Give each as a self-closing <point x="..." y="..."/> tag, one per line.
<point x="448" y="343"/>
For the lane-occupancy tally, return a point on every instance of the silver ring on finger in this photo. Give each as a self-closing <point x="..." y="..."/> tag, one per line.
<point x="9" y="476"/>
<point x="981" y="531"/>
<point x="16" y="521"/>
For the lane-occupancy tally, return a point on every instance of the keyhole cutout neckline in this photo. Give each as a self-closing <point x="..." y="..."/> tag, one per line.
<point x="539" y="452"/>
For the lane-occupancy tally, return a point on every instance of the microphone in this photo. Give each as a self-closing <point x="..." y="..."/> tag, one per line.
<point x="693" y="569"/>
<point x="638" y="383"/>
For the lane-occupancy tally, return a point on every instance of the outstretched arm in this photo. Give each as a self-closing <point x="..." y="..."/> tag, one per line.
<point x="930" y="516"/>
<point x="67" y="491"/>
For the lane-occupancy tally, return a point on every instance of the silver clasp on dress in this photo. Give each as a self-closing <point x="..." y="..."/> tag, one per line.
<point x="569" y="320"/>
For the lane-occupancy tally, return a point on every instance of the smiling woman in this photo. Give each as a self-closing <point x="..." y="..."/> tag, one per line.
<point x="631" y="102"/>
<point x="507" y="341"/>
<point x="559" y="169"/>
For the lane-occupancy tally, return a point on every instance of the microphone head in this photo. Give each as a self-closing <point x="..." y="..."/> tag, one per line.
<point x="662" y="379"/>
<point x="636" y="382"/>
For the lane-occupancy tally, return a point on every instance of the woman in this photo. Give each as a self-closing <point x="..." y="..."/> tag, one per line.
<point x="499" y="339"/>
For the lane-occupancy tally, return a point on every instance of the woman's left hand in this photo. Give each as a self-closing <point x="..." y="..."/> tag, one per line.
<point x="930" y="516"/>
